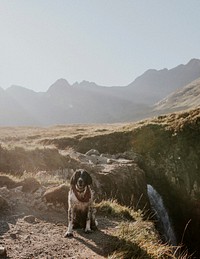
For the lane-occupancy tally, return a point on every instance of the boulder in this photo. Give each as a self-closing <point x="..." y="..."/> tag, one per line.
<point x="58" y="194"/>
<point x="122" y="180"/>
<point x="125" y="183"/>
<point x="92" y="152"/>
<point x="7" y="181"/>
<point x="30" y="219"/>
<point x="29" y="184"/>
<point x="118" y="178"/>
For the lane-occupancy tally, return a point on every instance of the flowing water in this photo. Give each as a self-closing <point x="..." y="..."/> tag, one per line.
<point x="161" y="214"/>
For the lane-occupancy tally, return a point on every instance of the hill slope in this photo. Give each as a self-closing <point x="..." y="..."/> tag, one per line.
<point x="184" y="98"/>
<point x="166" y="148"/>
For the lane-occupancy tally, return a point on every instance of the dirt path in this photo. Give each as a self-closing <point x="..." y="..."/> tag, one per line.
<point x="42" y="237"/>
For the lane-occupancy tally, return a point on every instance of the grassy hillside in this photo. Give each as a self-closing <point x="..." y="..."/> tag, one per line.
<point x="183" y="98"/>
<point x="33" y="149"/>
<point x="166" y="148"/>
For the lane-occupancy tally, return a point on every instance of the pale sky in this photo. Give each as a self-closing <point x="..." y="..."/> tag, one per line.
<point x="109" y="42"/>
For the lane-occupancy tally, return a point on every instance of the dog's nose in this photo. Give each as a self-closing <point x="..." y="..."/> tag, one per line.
<point x="80" y="181"/>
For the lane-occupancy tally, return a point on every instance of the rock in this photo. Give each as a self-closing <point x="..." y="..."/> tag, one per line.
<point x="110" y="161"/>
<point x="97" y="159"/>
<point x="29" y="219"/>
<point x="39" y="192"/>
<point x="2" y="251"/>
<point x="124" y="182"/>
<point x="13" y="235"/>
<point x="4" y="191"/>
<point x="17" y="189"/>
<point x="92" y="152"/>
<point x="29" y="184"/>
<point x="57" y="194"/>
<point x="4" y="206"/>
<point x="4" y="227"/>
<point x="6" y="181"/>
<point x="108" y="155"/>
<point x="130" y="155"/>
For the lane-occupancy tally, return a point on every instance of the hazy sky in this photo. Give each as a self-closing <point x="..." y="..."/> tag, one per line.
<point x="109" y="42"/>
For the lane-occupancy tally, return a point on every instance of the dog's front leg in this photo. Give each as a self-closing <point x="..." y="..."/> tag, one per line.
<point x="88" y="221"/>
<point x="69" y="232"/>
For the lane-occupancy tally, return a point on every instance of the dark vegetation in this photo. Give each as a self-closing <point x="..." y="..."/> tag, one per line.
<point x="18" y="160"/>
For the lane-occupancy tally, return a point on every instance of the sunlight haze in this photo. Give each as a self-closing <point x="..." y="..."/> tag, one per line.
<point x="106" y="42"/>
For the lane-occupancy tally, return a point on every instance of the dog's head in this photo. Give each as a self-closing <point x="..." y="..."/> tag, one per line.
<point x="81" y="179"/>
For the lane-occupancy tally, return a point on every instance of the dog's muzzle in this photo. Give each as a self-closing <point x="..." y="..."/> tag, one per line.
<point x="80" y="183"/>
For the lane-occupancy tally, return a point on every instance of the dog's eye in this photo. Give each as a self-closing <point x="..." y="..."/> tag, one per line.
<point x="77" y="175"/>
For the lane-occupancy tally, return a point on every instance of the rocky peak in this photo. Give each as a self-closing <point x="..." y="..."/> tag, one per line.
<point x="60" y="86"/>
<point x="194" y="62"/>
<point x="84" y="83"/>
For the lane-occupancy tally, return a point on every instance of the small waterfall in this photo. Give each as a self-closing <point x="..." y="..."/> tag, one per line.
<point x="162" y="215"/>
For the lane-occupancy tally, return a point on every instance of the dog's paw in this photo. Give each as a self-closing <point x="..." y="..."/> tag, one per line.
<point x="68" y="234"/>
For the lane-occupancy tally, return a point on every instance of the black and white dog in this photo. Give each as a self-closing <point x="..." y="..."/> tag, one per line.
<point x="80" y="200"/>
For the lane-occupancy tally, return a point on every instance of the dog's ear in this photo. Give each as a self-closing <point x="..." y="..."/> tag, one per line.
<point x="73" y="178"/>
<point x="89" y="179"/>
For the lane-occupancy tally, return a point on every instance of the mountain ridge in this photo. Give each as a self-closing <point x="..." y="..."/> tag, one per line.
<point x="87" y="102"/>
<point x="166" y="80"/>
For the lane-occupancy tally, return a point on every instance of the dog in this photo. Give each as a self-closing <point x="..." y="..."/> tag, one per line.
<point x="80" y="203"/>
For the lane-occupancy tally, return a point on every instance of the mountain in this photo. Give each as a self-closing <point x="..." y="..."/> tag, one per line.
<point x="12" y="113"/>
<point x="181" y="99"/>
<point x="154" y="85"/>
<point x="87" y="102"/>
<point x="41" y="110"/>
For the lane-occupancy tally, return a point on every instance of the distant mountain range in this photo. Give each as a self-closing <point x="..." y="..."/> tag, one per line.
<point x="154" y="92"/>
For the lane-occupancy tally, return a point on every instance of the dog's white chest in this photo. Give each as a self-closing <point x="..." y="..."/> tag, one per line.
<point x="74" y="202"/>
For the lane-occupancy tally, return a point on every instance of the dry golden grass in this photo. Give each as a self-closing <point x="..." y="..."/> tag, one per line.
<point x="29" y="148"/>
<point x="136" y="238"/>
<point x="32" y="137"/>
